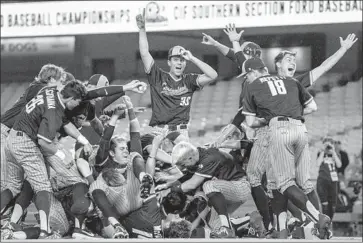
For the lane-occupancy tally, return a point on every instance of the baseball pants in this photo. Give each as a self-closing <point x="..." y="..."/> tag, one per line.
<point x="258" y="160"/>
<point x="160" y="130"/>
<point x="25" y="158"/>
<point x="141" y="223"/>
<point x="289" y="154"/>
<point x="3" y="166"/>
<point x="67" y="173"/>
<point x="233" y="191"/>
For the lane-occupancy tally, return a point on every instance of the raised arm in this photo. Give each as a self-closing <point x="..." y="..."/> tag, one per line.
<point x="146" y="57"/>
<point x="209" y="74"/>
<point x="235" y="37"/>
<point x="345" y="45"/>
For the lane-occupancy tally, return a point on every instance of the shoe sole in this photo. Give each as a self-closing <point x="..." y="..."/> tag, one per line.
<point x="79" y="236"/>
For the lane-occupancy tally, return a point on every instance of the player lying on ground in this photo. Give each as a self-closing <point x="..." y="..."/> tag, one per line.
<point x="222" y="179"/>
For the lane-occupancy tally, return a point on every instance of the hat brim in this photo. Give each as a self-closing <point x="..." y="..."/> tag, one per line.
<point x="242" y="75"/>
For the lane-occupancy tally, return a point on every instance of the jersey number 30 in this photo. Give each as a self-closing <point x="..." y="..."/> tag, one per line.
<point x="277" y="87"/>
<point x="37" y="100"/>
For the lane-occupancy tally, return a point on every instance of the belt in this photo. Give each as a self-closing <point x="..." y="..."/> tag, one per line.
<point x="174" y="127"/>
<point x="284" y="118"/>
<point x="17" y="133"/>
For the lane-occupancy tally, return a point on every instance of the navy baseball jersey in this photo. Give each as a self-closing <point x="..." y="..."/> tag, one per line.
<point x="9" y="117"/>
<point x="42" y="116"/>
<point x="271" y="96"/>
<point x="305" y="79"/>
<point x="214" y="163"/>
<point x="170" y="99"/>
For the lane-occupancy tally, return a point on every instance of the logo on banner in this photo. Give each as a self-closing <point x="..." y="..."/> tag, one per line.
<point x="155" y="14"/>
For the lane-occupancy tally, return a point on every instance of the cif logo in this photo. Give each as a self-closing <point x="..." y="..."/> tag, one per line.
<point x="154" y="13"/>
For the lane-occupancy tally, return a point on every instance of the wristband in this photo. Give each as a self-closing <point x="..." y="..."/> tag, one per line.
<point x="81" y="139"/>
<point x="60" y="154"/>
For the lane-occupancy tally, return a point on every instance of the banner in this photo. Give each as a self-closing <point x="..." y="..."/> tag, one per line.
<point x="97" y="17"/>
<point x="37" y="46"/>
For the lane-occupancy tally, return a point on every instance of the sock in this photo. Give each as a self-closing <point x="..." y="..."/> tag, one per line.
<point x="279" y="207"/>
<point x="22" y="202"/>
<point x="90" y="179"/>
<point x="6" y="197"/>
<point x="42" y="202"/>
<point x="261" y="201"/>
<point x="16" y="214"/>
<point x="298" y="198"/>
<point x="218" y="202"/>
<point x="331" y="211"/>
<point x="314" y="199"/>
<point x="295" y="211"/>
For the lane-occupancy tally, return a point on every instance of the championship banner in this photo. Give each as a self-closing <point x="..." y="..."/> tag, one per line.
<point x="97" y="17"/>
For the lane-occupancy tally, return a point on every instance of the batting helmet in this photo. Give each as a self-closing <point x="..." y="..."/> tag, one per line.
<point x="251" y="49"/>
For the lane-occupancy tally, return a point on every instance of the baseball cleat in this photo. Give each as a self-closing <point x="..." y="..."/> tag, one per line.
<point x="146" y="184"/>
<point x="223" y="232"/>
<point x="83" y="234"/>
<point x="323" y="226"/>
<point x="120" y="233"/>
<point x="53" y="235"/>
<point x="7" y="234"/>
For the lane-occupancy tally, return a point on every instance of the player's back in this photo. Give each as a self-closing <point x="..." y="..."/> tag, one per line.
<point x="9" y="117"/>
<point x="31" y="116"/>
<point x="277" y="96"/>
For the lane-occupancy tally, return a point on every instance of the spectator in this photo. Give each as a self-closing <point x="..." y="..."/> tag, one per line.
<point x="327" y="182"/>
<point x="344" y="158"/>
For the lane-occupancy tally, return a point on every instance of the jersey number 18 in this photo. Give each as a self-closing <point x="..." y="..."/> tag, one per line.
<point x="37" y="100"/>
<point x="277" y="87"/>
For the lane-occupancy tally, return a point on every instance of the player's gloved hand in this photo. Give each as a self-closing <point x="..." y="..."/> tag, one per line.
<point x="127" y="102"/>
<point x="120" y="232"/>
<point x="119" y="110"/>
<point x="208" y="40"/>
<point x="187" y="55"/>
<point x="348" y="42"/>
<point x="230" y="30"/>
<point x="140" y="20"/>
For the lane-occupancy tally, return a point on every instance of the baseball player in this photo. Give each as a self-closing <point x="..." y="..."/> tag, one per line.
<point x="49" y="74"/>
<point x="282" y="102"/>
<point x="35" y="128"/>
<point x="222" y="179"/>
<point x="172" y="92"/>
<point x="117" y="189"/>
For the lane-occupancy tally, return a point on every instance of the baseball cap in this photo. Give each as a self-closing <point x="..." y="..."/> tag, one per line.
<point x="282" y="54"/>
<point x="99" y="80"/>
<point x="251" y="49"/>
<point x="69" y="77"/>
<point x="176" y="51"/>
<point x="252" y="64"/>
<point x="173" y="136"/>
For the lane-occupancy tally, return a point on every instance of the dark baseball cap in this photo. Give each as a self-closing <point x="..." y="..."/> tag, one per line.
<point x="69" y="77"/>
<point x="173" y="136"/>
<point x="252" y="64"/>
<point x="98" y="80"/>
<point x="251" y="49"/>
<point x="282" y="54"/>
<point x="176" y="51"/>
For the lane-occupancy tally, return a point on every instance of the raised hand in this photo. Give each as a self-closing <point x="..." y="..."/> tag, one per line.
<point x="140" y="20"/>
<point x="136" y="86"/>
<point x="127" y="102"/>
<point x="208" y="40"/>
<point x="348" y="42"/>
<point x="230" y="30"/>
<point x="187" y="55"/>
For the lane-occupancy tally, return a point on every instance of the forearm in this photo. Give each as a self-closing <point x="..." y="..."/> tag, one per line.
<point x="105" y="91"/>
<point x="337" y="160"/>
<point x="255" y="122"/>
<point x="151" y="162"/>
<point x="231" y="144"/>
<point x="163" y="157"/>
<point x="97" y="126"/>
<point x="308" y="110"/>
<point x="205" y="68"/>
<point x="50" y="149"/>
<point x="228" y="131"/>
<point x="222" y="48"/>
<point x="134" y="122"/>
<point x="104" y="144"/>
<point x="72" y="131"/>
<point x="327" y="64"/>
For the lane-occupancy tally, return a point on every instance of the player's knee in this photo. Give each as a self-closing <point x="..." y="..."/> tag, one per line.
<point x="58" y="222"/>
<point x="307" y="187"/>
<point x="209" y="187"/>
<point x="83" y="167"/>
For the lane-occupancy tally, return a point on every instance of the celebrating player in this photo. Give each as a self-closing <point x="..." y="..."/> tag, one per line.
<point x="281" y="103"/>
<point x="39" y="121"/>
<point x="172" y="92"/>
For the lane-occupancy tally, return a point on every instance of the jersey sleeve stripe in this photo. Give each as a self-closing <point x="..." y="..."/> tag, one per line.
<point x="147" y="70"/>
<point x="203" y="175"/>
<point x="307" y="102"/>
<point x="248" y="113"/>
<point x="44" y="138"/>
